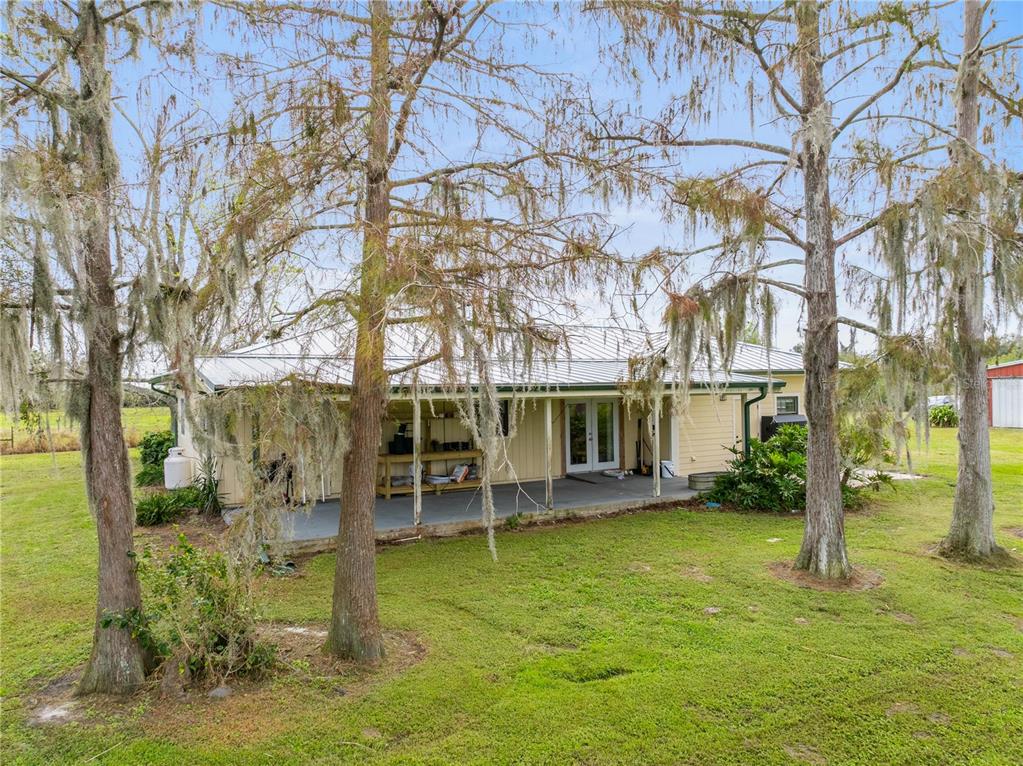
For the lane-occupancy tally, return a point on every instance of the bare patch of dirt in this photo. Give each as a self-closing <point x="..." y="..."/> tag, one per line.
<point x="259" y="709"/>
<point x="695" y="573"/>
<point x="905" y="618"/>
<point x="958" y="651"/>
<point x="299" y="646"/>
<point x="997" y="651"/>
<point x="805" y="753"/>
<point x="639" y="567"/>
<point x="1014" y="531"/>
<point x="55" y="703"/>
<point x="252" y="709"/>
<point x="861" y="578"/>
<point x="999" y="559"/>
<point x="199" y="529"/>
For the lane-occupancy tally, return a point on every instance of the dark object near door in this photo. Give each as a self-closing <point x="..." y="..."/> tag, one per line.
<point x="769" y="424"/>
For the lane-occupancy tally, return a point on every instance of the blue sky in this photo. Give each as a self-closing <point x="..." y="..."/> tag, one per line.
<point x="568" y="43"/>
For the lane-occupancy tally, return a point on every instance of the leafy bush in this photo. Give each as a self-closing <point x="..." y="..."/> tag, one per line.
<point x="200" y="619"/>
<point x="160" y="508"/>
<point x="768" y="479"/>
<point x="149" y="476"/>
<point x="154" y="446"/>
<point x="153" y="449"/>
<point x="944" y="416"/>
<point x="789" y="439"/>
<point x="773" y="476"/>
<point x="165" y="507"/>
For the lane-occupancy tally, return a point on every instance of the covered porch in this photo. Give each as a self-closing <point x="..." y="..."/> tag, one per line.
<point x="461" y="511"/>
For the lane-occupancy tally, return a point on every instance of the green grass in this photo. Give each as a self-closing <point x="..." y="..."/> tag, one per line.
<point x="135" y="420"/>
<point x="586" y="643"/>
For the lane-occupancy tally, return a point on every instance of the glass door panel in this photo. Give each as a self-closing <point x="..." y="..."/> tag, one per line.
<point x="591" y="434"/>
<point x="578" y="435"/>
<point x="605" y="430"/>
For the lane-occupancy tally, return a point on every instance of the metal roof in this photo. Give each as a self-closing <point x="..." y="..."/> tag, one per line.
<point x="582" y="357"/>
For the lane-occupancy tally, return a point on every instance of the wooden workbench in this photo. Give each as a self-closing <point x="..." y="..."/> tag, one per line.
<point x="466" y="455"/>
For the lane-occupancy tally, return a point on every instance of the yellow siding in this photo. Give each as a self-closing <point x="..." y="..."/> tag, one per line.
<point x="706" y="431"/>
<point x="703" y="434"/>
<point x="525" y="450"/>
<point x="794" y="384"/>
<point x="233" y="464"/>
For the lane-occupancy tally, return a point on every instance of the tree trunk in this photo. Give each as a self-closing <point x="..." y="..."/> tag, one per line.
<point x="117" y="664"/>
<point x="355" y="624"/>
<point x="972" y="534"/>
<point x="823" y="550"/>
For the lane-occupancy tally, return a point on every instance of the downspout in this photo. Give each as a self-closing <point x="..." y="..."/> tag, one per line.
<point x="745" y="418"/>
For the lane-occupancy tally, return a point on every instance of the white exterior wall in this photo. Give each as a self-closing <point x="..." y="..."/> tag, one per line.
<point x="1007" y="402"/>
<point x="184" y="434"/>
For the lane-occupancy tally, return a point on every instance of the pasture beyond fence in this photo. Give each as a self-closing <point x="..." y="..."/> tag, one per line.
<point x="55" y="430"/>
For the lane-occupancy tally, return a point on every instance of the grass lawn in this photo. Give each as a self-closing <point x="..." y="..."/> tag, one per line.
<point x="586" y="643"/>
<point x="136" y="421"/>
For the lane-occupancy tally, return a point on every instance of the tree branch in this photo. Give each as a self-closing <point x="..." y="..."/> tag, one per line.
<point x="904" y="67"/>
<point x="31" y="86"/>
<point x="413" y="365"/>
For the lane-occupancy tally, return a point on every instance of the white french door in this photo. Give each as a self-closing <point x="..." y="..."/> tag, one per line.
<point x="591" y="434"/>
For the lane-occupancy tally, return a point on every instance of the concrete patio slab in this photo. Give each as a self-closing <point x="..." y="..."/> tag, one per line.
<point x="455" y="512"/>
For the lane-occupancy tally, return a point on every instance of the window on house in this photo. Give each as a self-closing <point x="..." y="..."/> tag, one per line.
<point x="787" y="405"/>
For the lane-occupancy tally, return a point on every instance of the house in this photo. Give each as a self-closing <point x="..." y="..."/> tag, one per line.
<point x="573" y="399"/>
<point x="1005" y="394"/>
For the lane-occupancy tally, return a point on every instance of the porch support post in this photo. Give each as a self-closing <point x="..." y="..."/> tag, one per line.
<point x="548" y="432"/>
<point x="417" y="469"/>
<point x="655" y="438"/>
<point x="673" y="423"/>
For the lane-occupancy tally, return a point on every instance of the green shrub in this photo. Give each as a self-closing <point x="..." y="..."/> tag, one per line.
<point x="200" y="615"/>
<point x="158" y="508"/>
<point x="789" y="439"/>
<point x="153" y="449"/>
<point x="165" y="507"/>
<point x="149" y="476"/>
<point x="944" y="416"/>
<point x="768" y="479"/>
<point x="773" y="476"/>
<point x="154" y="446"/>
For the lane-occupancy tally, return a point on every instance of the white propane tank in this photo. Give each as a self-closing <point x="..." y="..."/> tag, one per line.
<point x="177" y="469"/>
